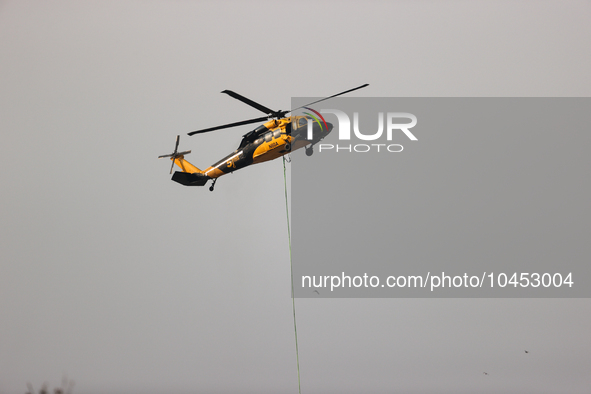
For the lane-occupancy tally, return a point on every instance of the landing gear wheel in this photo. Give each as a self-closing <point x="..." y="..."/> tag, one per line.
<point x="213" y="184"/>
<point x="309" y="151"/>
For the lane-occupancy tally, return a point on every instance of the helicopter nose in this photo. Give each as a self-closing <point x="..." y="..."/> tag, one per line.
<point x="322" y="128"/>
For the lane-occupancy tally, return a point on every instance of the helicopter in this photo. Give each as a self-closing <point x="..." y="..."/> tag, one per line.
<point x="278" y="136"/>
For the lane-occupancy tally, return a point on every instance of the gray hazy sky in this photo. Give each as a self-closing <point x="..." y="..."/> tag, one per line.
<point x="127" y="282"/>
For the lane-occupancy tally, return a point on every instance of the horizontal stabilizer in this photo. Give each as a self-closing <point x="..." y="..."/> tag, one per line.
<point x="187" y="179"/>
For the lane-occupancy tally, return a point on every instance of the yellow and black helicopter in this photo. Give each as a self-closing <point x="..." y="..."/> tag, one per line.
<point x="275" y="138"/>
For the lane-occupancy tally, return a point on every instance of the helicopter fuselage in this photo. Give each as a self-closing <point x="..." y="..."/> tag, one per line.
<point x="269" y="141"/>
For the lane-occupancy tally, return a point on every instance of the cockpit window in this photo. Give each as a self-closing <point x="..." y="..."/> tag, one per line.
<point x="277" y="133"/>
<point x="268" y="136"/>
<point x="303" y="122"/>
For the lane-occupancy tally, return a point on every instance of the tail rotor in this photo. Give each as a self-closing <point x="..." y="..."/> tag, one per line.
<point x="175" y="155"/>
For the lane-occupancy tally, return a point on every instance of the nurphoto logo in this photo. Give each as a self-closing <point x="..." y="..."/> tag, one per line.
<point x="394" y="124"/>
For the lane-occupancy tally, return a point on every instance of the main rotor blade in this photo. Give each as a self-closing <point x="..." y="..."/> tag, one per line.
<point x="334" y="95"/>
<point x="226" y="126"/>
<point x="248" y="101"/>
<point x="172" y="166"/>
